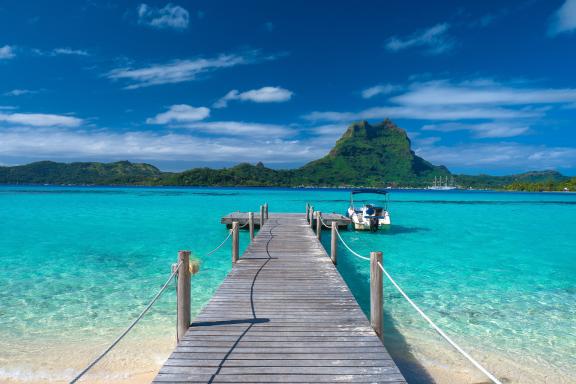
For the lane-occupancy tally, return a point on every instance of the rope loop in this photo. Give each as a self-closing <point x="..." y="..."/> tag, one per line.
<point x="350" y="249"/>
<point x="323" y="222"/>
<point x="221" y="244"/>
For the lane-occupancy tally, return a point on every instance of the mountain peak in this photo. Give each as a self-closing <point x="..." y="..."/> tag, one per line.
<point x="376" y="154"/>
<point x="364" y="129"/>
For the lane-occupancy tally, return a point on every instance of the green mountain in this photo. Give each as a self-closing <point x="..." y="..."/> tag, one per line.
<point x="370" y="155"/>
<point x="488" y="181"/>
<point x="366" y="155"/>
<point x="49" y="172"/>
<point x="243" y="174"/>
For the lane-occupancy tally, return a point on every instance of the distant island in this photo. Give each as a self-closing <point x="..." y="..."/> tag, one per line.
<point x="366" y="155"/>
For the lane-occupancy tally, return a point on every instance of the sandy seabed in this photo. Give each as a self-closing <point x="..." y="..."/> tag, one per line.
<point x="422" y="359"/>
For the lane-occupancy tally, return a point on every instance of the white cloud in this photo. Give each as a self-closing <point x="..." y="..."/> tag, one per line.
<point x="40" y="120"/>
<point x="434" y="40"/>
<point x="381" y="89"/>
<point x="7" y="52"/>
<point x="62" y="143"/>
<point x="261" y="95"/>
<point x="484" y="130"/>
<point x="180" y="113"/>
<point x="240" y="128"/>
<point x="181" y="70"/>
<point x="61" y="51"/>
<point x="425" y="113"/>
<point x="184" y="116"/>
<point x="325" y="136"/>
<point x="20" y="92"/>
<point x="564" y="19"/>
<point x="69" y="52"/>
<point x="42" y="143"/>
<point x="437" y="93"/>
<point x="473" y="99"/>
<point x="170" y="16"/>
<point x="424" y="141"/>
<point x="500" y="155"/>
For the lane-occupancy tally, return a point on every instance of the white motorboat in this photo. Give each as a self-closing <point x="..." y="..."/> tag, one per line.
<point x="369" y="216"/>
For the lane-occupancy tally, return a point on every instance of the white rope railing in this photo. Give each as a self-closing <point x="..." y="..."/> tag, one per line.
<point x="432" y="324"/>
<point x="440" y="331"/>
<point x="323" y="222"/>
<point x="221" y="244"/>
<point x="127" y="330"/>
<point x="105" y="352"/>
<point x="350" y="249"/>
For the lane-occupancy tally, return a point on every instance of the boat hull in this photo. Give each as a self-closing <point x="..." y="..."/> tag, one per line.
<point x="363" y="223"/>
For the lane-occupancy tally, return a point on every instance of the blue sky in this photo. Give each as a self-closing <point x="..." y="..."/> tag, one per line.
<point x="479" y="86"/>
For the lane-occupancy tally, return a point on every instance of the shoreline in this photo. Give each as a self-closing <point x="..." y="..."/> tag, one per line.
<point x="422" y="358"/>
<point x="445" y="365"/>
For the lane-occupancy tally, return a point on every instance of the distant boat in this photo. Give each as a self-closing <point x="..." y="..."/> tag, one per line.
<point x="440" y="185"/>
<point x="369" y="216"/>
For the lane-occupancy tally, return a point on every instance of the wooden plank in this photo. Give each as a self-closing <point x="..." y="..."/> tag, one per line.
<point x="283" y="315"/>
<point x="243" y="217"/>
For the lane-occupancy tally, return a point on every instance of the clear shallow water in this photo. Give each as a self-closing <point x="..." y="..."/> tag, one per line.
<point x="495" y="270"/>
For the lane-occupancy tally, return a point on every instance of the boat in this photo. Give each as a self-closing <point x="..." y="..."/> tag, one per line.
<point x="440" y="185"/>
<point x="369" y="216"/>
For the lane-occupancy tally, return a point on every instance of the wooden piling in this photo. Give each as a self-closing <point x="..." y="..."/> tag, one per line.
<point x="235" y="242"/>
<point x="334" y="243"/>
<point x="307" y="212"/>
<point x="266" y="211"/>
<point x="183" y="296"/>
<point x="318" y="225"/>
<point x="261" y="216"/>
<point x="376" y="295"/>
<point x="311" y="217"/>
<point x="251" y="224"/>
<point x="274" y="317"/>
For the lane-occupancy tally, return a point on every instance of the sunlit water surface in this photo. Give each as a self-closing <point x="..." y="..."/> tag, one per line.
<point x="497" y="271"/>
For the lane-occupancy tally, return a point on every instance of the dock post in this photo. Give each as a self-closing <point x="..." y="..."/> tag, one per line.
<point x="318" y="225"/>
<point x="235" y="242"/>
<point x="376" y="297"/>
<point x="261" y="216"/>
<point x="266" y="211"/>
<point x="308" y="212"/>
<point x="311" y="217"/>
<point x="334" y="243"/>
<point x="251" y="224"/>
<point x="183" y="295"/>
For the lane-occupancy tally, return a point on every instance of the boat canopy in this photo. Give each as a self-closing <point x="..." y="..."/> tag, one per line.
<point x="366" y="190"/>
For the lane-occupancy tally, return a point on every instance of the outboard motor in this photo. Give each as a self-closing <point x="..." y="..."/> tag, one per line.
<point x="374" y="224"/>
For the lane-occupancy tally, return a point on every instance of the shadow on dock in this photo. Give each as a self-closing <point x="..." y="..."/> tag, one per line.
<point x="229" y="322"/>
<point x="394" y="341"/>
<point x="255" y="319"/>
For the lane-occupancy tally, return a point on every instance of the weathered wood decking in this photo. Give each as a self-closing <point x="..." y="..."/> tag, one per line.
<point x="242" y="218"/>
<point x="283" y="315"/>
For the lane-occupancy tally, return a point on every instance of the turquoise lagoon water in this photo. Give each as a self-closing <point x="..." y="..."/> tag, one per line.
<point x="497" y="271"/>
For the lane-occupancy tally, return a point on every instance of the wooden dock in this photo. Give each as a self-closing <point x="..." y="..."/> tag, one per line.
<point x="283" y="315"/>
<point x="242" y="219"/>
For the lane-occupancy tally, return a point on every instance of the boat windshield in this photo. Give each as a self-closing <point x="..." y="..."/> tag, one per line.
<point x="368" y="201"/>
